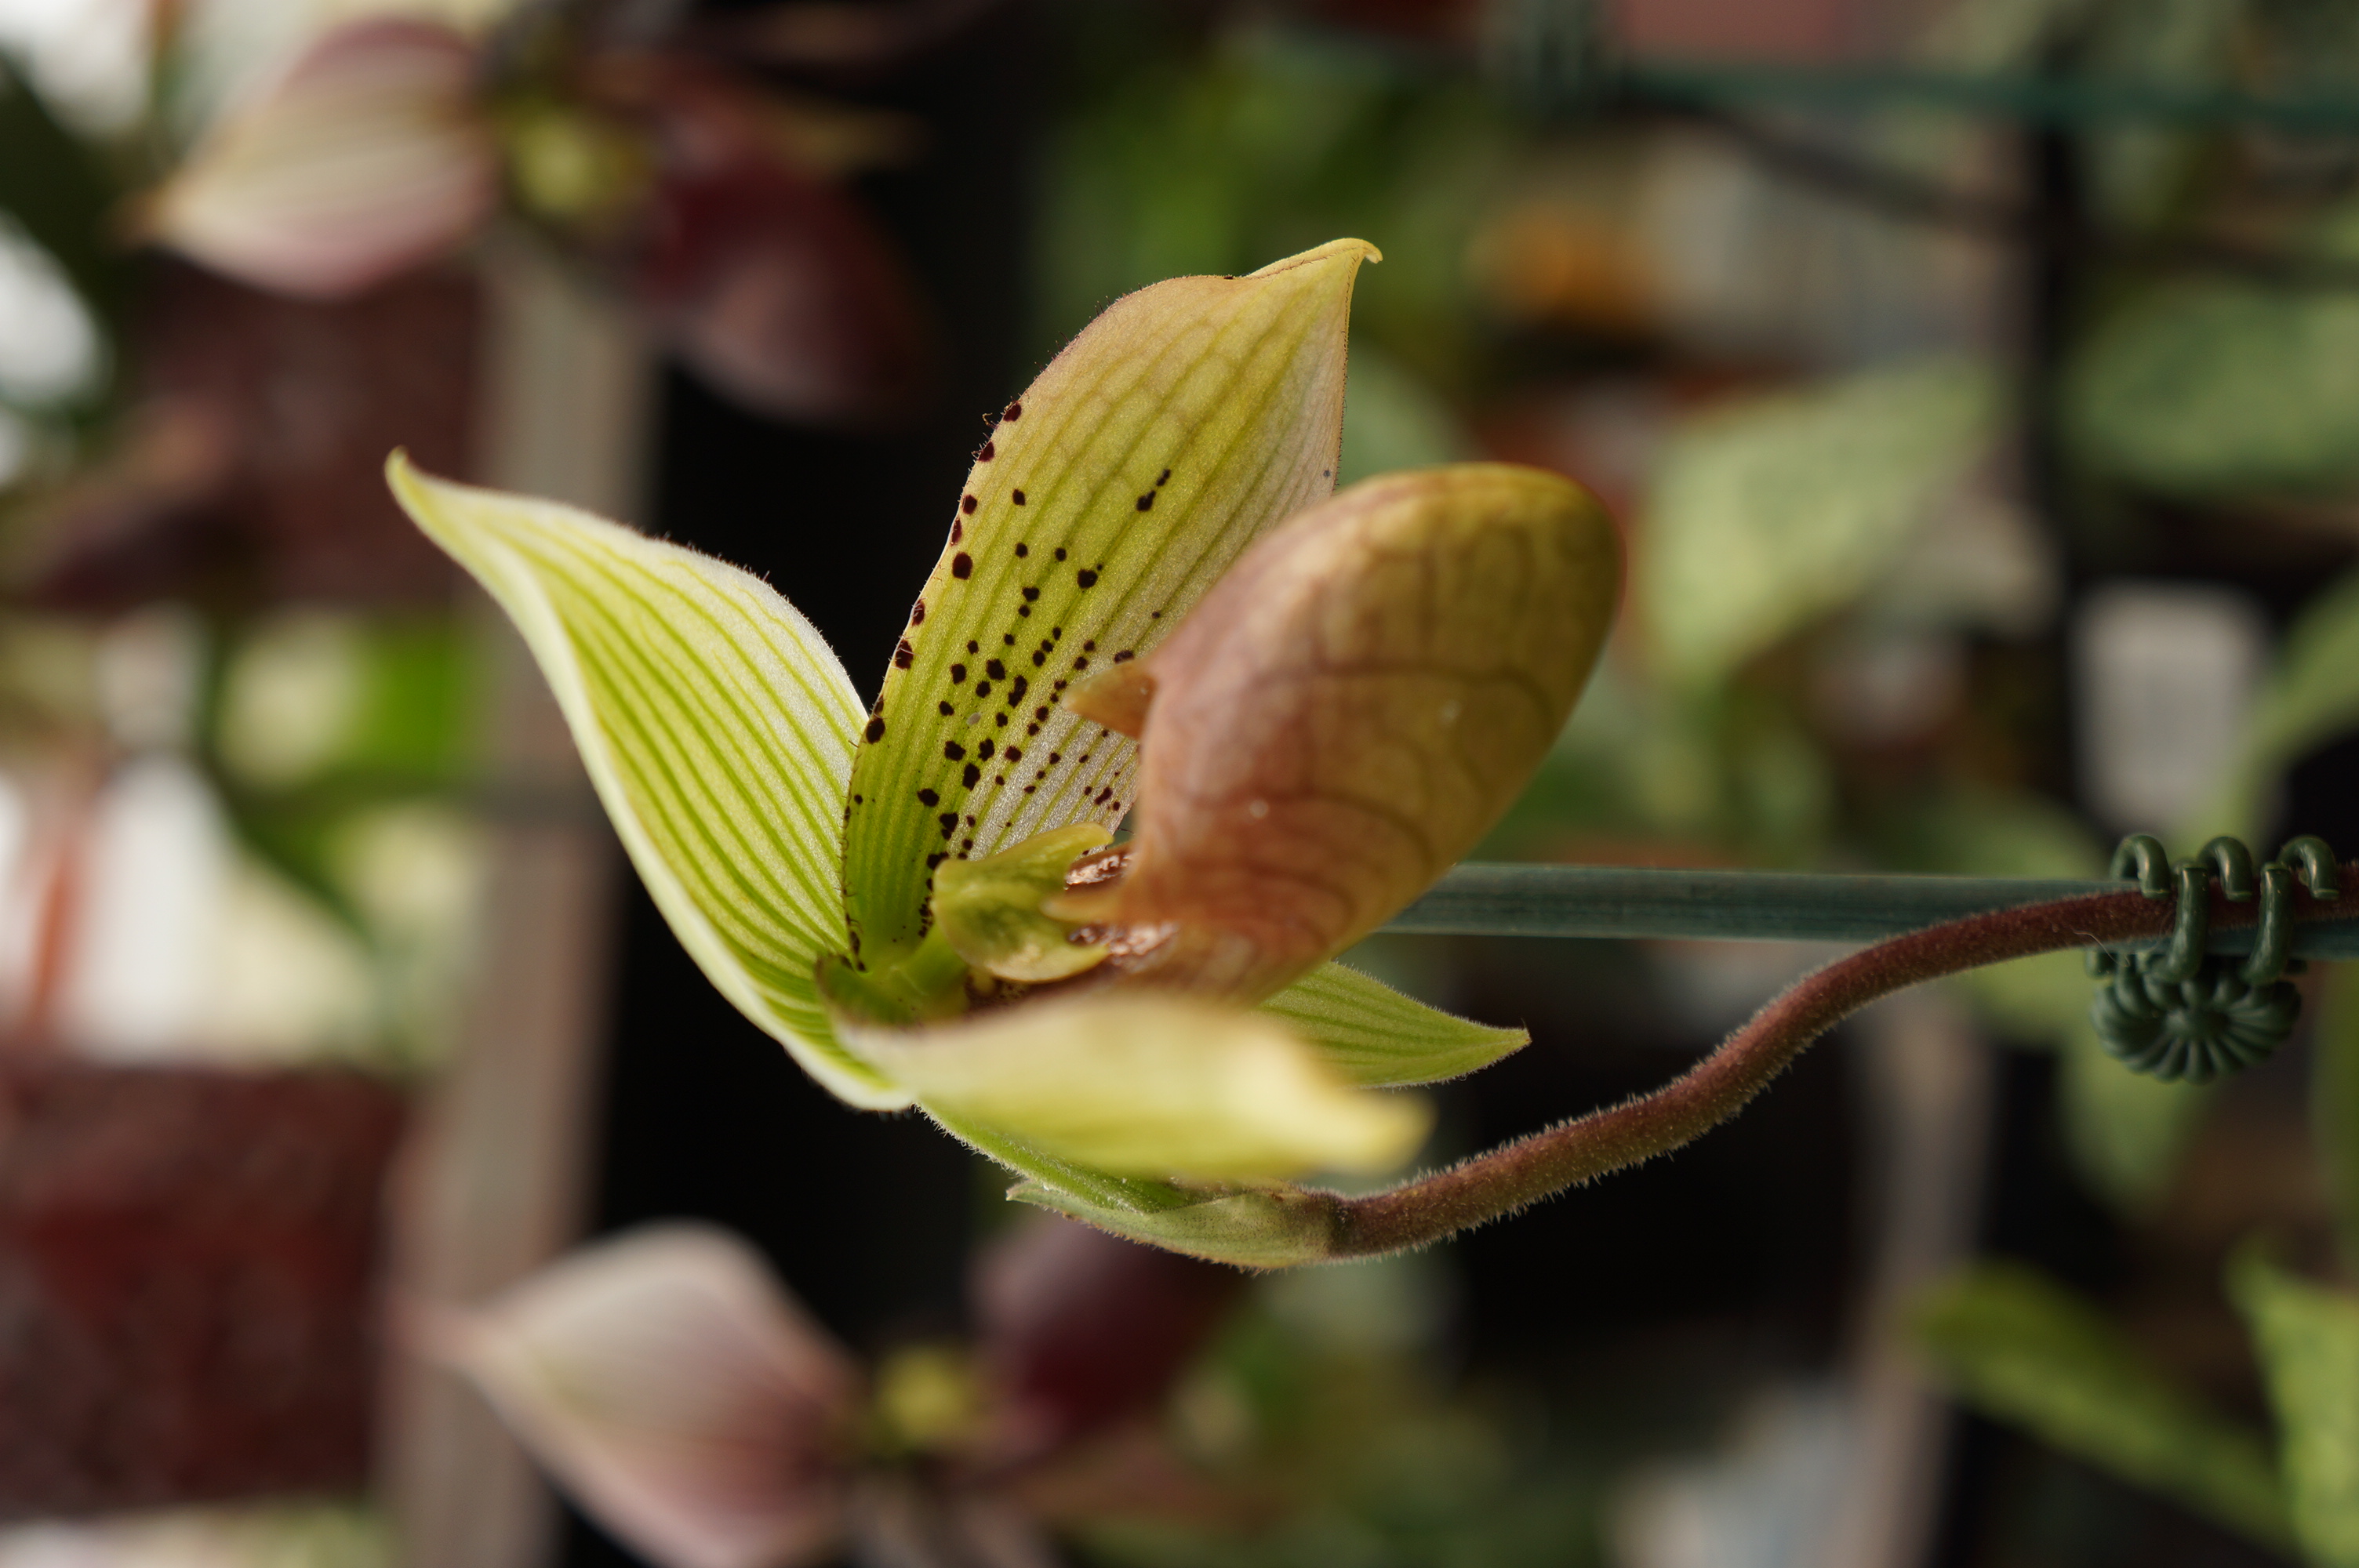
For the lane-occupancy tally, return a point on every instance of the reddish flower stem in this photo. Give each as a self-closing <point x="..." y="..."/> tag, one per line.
<point x="1508" y="1178"/>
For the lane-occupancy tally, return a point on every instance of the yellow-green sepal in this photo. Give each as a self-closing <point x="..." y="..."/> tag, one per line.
<point x="1374" y="1036"/>
<point x="1252" y="1228"/>
<point x="716" y="726"/>
<point x="1144" y="1084"/>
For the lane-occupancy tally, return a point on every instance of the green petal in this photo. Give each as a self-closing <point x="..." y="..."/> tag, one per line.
<point x="1182" y="422"/>
<point x="2308" y="1340"/>
<point x="1272" y="1228"/>
<point x="1140" y="1084"/>
<point x="1375" y="1037"/>
<point x="989" y="907"/>
<point x="716" y="726"/>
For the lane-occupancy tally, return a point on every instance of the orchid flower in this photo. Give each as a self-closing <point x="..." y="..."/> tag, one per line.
<point x="1151" y="606"/>
<point x="691" y="1406"/>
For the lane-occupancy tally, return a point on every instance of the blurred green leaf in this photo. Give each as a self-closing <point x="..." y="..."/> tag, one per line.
<point x="1393" y="420"/>
<point x="2334" y="1103"/>
<point x="1185" y="159"/>
<point x="1765" y="514"/>
<point x="2307" y="1341"/>
<point x="2214" y="388"/>
<point x="2312" y="697"/>
<point x="2015" y="1345"/>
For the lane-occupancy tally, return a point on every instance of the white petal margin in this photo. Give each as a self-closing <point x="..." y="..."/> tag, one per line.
<point x="677" y="1392"/>
<point x="369" y="155"/>
<point x="1374" y="1036"/>
<point x="1142" y="1083"/>
<point x="717" y="727"/>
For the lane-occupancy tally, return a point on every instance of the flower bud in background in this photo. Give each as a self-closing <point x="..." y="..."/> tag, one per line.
<point x="371" y="155"/>
<point x="677" y="1392"/>
<point x="769" y="280"/>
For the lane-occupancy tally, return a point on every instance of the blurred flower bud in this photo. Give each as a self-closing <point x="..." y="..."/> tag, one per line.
<point x="369" y="155"/>
<point x="683" y="1398"/>
<point x="1081" y="1329"/>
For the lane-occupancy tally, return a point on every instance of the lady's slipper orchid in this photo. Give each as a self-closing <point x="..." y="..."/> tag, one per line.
<point x="915" y="900"/>
<point x="691" y="1406"/>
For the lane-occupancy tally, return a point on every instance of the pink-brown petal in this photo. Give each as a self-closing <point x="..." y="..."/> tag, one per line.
<point x="682" y="1396"/>
<point x="1350" y="710"/>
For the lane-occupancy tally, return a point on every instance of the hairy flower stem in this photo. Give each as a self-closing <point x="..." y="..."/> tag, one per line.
<point x="1509" y="1177"/>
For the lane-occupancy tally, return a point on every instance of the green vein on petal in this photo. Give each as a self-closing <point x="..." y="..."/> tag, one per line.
<point x="1374" y="1036"/>
<point x="716" y="726"/>
<point x="1182" y="424"/>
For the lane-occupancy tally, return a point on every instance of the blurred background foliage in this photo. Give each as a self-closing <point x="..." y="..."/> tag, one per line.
<point x="1972" y="381"/>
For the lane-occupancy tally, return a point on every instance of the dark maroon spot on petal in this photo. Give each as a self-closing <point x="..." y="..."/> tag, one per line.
<point x="928" y="797"/>
<point x="1016" y="689"/>
<point x="1146" y="502"/>
<point x="964" y="847"/>
<point x="1014" y="753"/>
<point x="1054" y="758"/>
<point x="1061" y="553"/>
<point x="1009" y="638"/>
<point x="983" y="689"/>
<point x="966" y="505"/>
<point x="970" y="821"/>
<point x="1023" y="550"/>
<point x="996" y="670"/>
<point x="952" y="751"/>
<point x="1126" y="654"/>
<point x="876" y="731"/>
<point x="983" y="751"/>
<point x="1155" y="615"/>
<point x="1090" y="645"/>
<point x="1030" y="594"/>
<point x="1102" y="795"/>
<point x="1029" y="788"/>
<point x="918" y="613"/>
<point x="957" y="530"/>
<point x="945" y="709"/>
<point x="1164" y="481"/>
<point x="1031" y="729"/>
<point x="903" y="655"/>
<point x="962" y="564"/>
<point x="1081" y="661"/>
<point x="972" y="773"/>
<point x="1017" y="497"/>
<point x="1000" y="720"/>
<point x="1039" y="658"/>
<point x="935" y="859"/>
<point x="1023" y="610"/>
<point x="1015" y="412"/>
<point x="990" y="451"/>
<point x="949" y="819"/>
<point x="1041" y="713"/>
<point x="858" y="801"/>
<point x="958" y="673"/>
<point x="1058" y="687"/>
<point x="1086" y="577"/>
<point x="999" y="778"/>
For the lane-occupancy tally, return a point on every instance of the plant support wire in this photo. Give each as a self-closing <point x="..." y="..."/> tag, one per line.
<point x="1481" y="899"/>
